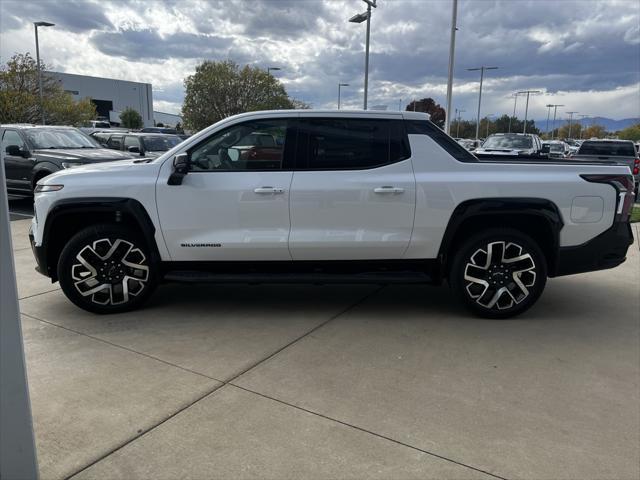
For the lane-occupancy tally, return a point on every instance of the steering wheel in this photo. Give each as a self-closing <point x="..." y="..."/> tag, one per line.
<point x="225" y="159"/>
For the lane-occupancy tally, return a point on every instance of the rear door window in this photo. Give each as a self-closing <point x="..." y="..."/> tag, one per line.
<point x="453" y="148"/>
<point x="350" y="144"/>
<point x="115" y="142"/>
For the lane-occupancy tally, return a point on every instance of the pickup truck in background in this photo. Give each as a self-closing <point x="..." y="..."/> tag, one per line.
<point x="346" y="197"/>
<point x="622" y="152"/>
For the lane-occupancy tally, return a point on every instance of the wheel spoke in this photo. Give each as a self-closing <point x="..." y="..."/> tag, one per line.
<point x="499" y="275"/>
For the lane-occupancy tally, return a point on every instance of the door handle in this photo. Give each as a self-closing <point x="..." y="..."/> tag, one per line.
<point x="268" y="190"/>
<point x="388" y="189"/>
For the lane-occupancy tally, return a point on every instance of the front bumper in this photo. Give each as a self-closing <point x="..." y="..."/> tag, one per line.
<point x="40" y="254"/>
<point x="607" y="250"/>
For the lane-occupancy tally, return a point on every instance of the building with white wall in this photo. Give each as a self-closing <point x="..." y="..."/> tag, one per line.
<point x="167" y="119"/>
<point x="110" y="96"/>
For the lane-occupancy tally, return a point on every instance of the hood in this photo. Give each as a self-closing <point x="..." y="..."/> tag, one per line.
<point x="87" y="155"/>
<point x="121" y="167"/>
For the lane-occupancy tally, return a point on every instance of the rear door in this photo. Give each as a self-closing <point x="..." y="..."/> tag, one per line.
<point x="353" y="191"/>
<point x="233" y="205"/>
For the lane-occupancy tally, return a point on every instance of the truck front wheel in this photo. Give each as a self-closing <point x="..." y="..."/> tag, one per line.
<point x="107" y="269"/>
<point x="498" y="273"/>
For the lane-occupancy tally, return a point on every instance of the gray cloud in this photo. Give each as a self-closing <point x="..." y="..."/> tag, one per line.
<point x="556" y="46"/>
<point x="72" y="15"/>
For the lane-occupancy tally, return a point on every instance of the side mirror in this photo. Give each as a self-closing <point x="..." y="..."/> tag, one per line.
<point x="133" y="149"/>
<point x="180" y="169"/>
<point x="14" y="150"/>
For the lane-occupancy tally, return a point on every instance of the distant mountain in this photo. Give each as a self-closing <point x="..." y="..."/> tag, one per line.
<point x="609" y="124"/>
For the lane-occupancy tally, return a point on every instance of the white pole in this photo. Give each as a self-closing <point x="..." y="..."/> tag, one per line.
<point x="366" y="60"/>
<point x="452" y="48"/>
<point x="17" y="448"/>
<point x="479" y="102"/>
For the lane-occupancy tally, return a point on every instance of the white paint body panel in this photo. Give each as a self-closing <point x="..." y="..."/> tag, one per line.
<point x="337" y="215"/>
<point x="222" y="208"/>
<point x="327" y="214"/>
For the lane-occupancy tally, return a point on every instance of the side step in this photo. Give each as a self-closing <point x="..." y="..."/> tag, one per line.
<point x="304" y="277"/>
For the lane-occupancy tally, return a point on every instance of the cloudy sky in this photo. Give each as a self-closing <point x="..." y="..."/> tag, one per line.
<point x="583" y="54"/>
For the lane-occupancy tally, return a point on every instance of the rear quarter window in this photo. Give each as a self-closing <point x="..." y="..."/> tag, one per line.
<point x="614" y="149"/>
<point x="453" y="148"/>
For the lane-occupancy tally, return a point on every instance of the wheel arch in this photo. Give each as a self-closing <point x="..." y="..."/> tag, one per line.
<point x="41" y="170"/>
<point x="536" y="217"/>
<point x="68" y="216"/>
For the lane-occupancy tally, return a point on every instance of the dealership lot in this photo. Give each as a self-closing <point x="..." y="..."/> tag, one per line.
<point x="335" y="381"/>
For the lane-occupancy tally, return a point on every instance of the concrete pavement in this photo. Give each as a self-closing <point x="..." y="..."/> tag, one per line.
<point x="336" y="382"/>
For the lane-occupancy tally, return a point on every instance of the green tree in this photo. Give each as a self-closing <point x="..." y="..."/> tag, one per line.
<point x="20" y="96"/>
<point x="219" y="89"/>
<point x="594" y="131"/>
<point x="130" y="118"/>
<point x="563" y="131"/>
<point x="630" y="133"/>
<point x="429" y="105"/>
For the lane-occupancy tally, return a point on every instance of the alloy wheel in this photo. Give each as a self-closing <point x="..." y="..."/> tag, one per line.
<point x="110" y="272"/>
<point x="500" y="275"/>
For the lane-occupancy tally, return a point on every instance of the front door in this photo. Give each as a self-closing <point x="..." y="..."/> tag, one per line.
<point x="234" y="202"/>
<point x="353" y="191"/>
<point x="17" y="167"/>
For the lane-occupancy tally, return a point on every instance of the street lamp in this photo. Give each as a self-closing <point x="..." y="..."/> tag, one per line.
<point x="526" y="110"/>
<point x="515" y="101"/>
<point x="570" y="121"/>
<point x="359" y="18"/>
<point x="36" y="25"/>
<point x="272" y="68"/>
<point x="548" y="115"/>
<point x="452" y="49"/>
<point x="488" y="117"/>
<point x="582" y="117"/>
<point x="340" y="85"/>
<point x="553" y="126"/>
<point x="481" y="69"/>
<point x="458" y="122"/>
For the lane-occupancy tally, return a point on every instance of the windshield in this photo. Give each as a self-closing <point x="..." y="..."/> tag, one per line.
<point x="42" y="138"/>
<point x="556" y="147"/>
<point x="616" y="149"/>
<point x="160" y="144"/>
<point x="508" y="142"/>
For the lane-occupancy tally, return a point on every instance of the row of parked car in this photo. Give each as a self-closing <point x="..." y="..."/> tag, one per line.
<point x="526" y="146"/>
<point x="32" y="152"/>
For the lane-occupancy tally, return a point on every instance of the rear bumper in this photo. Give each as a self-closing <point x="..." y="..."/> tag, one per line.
<point x="40" y="255"/>
<point x="607" y="250"/>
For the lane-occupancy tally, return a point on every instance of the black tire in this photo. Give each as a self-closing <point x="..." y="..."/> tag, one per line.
<point x="39" y="176"/>
<point x="107" y="269"/>
<point x="497" y="285"/>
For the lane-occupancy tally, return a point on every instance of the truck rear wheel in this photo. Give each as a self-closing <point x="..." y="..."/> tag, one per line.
<point x="107" y="269"/>
<point x="499" y="273"/>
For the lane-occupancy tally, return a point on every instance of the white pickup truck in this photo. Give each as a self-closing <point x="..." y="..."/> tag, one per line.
<point x="333" y="196"/>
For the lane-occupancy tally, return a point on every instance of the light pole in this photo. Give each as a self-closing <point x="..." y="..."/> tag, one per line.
<point x="548" y="115"/>
<point x="582" y="117"/>
<point x="553" y="126"/>
<point x="458" y="123"/>
<point x="340" y="85"/>
<point x="570" y="121"/>
<point x="488" y="117"/>
<point x="36" y="25"/>
<point x="452" y="48"/>
<point x="359" y="18"/>
<point x="526" y="110"/>
<point x="515" y="102"/>
<point x="481" y="69"/>
<point x="272" y="68"/>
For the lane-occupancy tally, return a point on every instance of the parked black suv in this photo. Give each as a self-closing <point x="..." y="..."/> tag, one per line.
<point x="33" y="152"/>
<point x="148" y="145"/>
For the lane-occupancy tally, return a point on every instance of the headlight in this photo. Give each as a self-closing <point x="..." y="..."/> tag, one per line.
<point x="47" y="188"/>
<point x="71" y="164"/>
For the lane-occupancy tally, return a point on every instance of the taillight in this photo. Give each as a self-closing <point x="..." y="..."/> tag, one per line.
<point x="624" y="187"/>
<point x="636" y="166"/>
